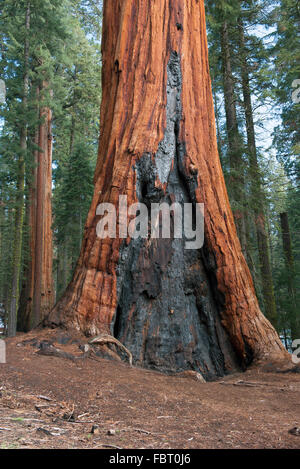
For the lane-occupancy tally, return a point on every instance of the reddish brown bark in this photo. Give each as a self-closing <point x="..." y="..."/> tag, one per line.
<point x="47" y="287"/>
<point x="38" y="295"/>
<point x="143" y="42"/>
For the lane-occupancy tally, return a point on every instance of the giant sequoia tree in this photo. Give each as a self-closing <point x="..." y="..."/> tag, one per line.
<point x="173" y="308"/>
<point x="37" y="296"/>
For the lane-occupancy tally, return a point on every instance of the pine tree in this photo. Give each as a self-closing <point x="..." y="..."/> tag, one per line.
<point x="76" y="137"/>
<point x="257" y="194"/>
<point x="34" y="59"/>
<point x="286" y="17"/>
<point x="223" y="21"/>
<point x="71" y="203"/>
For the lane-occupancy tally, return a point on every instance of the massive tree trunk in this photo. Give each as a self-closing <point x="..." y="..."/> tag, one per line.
<point x="173" y="308"/>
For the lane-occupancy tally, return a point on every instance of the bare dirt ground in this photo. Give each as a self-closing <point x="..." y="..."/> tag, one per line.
<point x="53" y="402"/>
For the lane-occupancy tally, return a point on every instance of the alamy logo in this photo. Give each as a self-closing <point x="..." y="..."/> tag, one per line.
<point x="296" y="92"/>
<point x="160" y="220"/>
<point x="2" y="351"/>
<point x="296" y="353"/>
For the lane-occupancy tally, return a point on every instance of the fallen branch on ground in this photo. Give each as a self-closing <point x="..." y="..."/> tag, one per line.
<point x="247" y="383"/>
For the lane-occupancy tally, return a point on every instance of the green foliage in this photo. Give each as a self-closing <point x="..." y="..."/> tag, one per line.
<point x="286" y="56"/>
<point x="64" y="52"/>
<point x="272" y="55"/>
<point x="287" y="70"/>
<point x="72" y="198"/>
<point x="76" y="134"/>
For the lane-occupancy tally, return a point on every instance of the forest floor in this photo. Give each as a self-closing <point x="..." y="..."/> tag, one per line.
<point x="53" y="402"/>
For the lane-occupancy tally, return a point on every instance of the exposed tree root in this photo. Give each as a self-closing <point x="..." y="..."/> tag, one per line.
<point x="45" y="348"/>
<point x="103" y="339"/>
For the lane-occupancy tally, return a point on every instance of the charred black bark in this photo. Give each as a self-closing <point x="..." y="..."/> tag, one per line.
<point x="168" y="311"/>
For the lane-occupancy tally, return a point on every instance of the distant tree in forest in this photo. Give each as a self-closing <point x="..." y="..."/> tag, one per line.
<point x="285" y="15"/>
<point x="72" y="198"/>
<point x="240" y="67"/>
<point x="38" y="51"/>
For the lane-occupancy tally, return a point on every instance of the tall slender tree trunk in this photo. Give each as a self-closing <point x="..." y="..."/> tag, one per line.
<point x="72" y="134"/>
<point x="219" y="135"/>
<point x="73" y="119"/>
<point x="7" y="248"/>
<point x="65" y="260"/>
<point x="40" y="213"/>
<point x="6" y="243"/>
<point x="174" y="308"/>
<point x="38" y="294"/>
<point x="258" y="199"/>
<point x="294" y="315"/>
<point x="26" y="297"/>
<point x="48" y="293"/>
<point x="43" y="291"/>
<point x="60" y="284"/>
<point x="24" y="294"/>
<point x="2" y="245"/>
<point x="19" y="211"/>
<point x="237" y="183"/>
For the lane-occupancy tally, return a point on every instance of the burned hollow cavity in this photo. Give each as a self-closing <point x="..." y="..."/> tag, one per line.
<point x="168" y="311"/>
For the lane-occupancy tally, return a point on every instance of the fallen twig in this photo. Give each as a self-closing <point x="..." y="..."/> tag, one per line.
<point x="142" y="431"/>
<point x="45" y="398"/>
<point x="247" y="383"/>
<point x="110" y="446"/>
